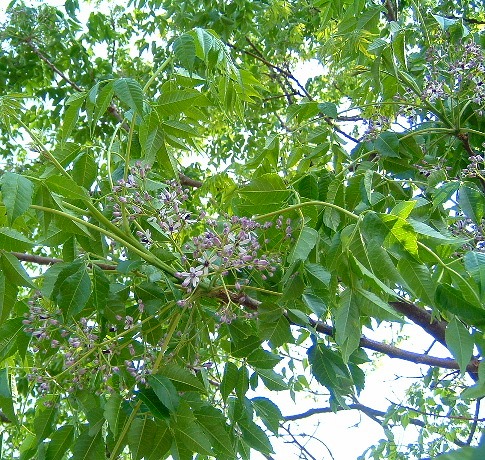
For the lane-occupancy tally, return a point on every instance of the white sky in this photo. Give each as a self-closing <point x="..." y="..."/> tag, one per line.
<point x="347" y="434"/>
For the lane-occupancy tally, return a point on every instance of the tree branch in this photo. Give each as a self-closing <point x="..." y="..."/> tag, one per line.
<point x="253" y="304"/>
<point x="422" y="318"/>
<point x="184" y="180"/>
<point x="469" y="20"/>
<point x="372" y="413"/>
<point x="384" y="348"/>
<point x="41" y="260"/>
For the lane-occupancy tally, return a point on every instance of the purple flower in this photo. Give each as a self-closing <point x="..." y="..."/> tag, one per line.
<point x="192" y="277"/>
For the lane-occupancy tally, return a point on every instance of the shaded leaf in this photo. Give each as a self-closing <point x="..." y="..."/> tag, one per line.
<point x="269" y="413"/>
<point x="460" y="342"/>
<point x="6" y="401"/>
<point x="14" y="271"/>
<point x="229" y="380"/>
<point x="61" y="440"/>
<point x="87" y="447"/>
<point x="306" y="241"/>
<point x="165" y="390"/>
<point x="17" y="192"/>
<point x="182" y="378"/>
<point x="130" y="93"/>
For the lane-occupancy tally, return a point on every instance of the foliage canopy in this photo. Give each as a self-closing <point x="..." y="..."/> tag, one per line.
<point x="183" y="221"/>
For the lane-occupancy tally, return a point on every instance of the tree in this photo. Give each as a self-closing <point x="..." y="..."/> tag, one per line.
<point x="142" y="294"/>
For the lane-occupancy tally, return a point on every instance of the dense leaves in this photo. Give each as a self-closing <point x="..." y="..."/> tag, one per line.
<point x="187" y="229"/>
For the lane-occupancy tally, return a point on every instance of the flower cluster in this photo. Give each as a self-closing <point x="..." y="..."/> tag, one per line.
<point x="469" y="71"/>
<point x="475" y="168"/>
<point x="227" y="250"/>
<point x="128" y="196"/>
<point x="375" y="126"/>
<point x="73" y="356"/>
<point x="457" y="74"/>
<point x="230" y="247"/>
<point x="469" y="230"/>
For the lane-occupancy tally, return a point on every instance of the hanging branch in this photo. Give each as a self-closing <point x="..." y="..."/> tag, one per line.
<point x="253" y="304"/>
<point x="184" y="180"/>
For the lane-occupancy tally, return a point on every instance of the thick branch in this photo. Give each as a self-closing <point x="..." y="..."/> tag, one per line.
<point x="423" y="319"/>
<point x="384" y="348"/>
<point x="41" y="260"/>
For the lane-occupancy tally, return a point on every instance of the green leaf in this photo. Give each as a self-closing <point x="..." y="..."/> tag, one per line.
<point x="17" y="192"/>
<point x="141" y="436"/>
<point x="318" y="272"/>
<point x="475" y="266"/>
<point x="6" y="401"/>
<point x="315" y="304"/>
<point x="148" y="396"/>
<point x="347" y="324"/>
<point x="100" y="288"/>
<point x="272" y="380"/>
<point x="61" y="440"/>
<point x="264" y="194"/>
<point x="465" y="453"/>
<point x="192" y="437"/>
<point x="400" y="230"/>
<point x="182" y="378"/>
<point x="165" y="390"/>
<point x="329" y="109"/>
<point x="472" y="202"/>
<point x="229" y="380"/>
<point x="329" y="369"/>
<point x="72" y="288"/>
<point x="255" y="436"/>
<point x="71" y="115"/>
<point x="151" y="138"/>
<point x="423" y="229"/>
<point x="84" y="170"/>
<point x="9" y="332"/>
<point x="184" y="49"/>
<point x="66" y="187"/>
<point x="418" y="279"/>
<point x="269" y="413"/>
<point x="14" y="271"/>
<point x="387" y="144"/>
<point x="263" y="359"/>
<point x="114" y="414"/>
<point x="383" y="310"/>
<point x="306" y="241"/>
<point x="277" y="332"/>
<point x="87" y="447"/>
<point x="213" y="422"/>
<point x="243" y="347"/>
<point x="242" y="385"/>
<point x="130" y="93"/>
<point x="161" y="442"/>
<point x="460" y="342"/>
<point x="44" y="422"/>
<point x="103" y="100"/>
<point x="173" y="102"/>
<point x="451" y="299"/>
<point x="8" y="297"/>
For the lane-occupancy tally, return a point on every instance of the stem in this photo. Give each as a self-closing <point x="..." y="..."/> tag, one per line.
<point x="44" y="151"/>
<point x="166" y="341"/>
<point x="446" y="267"/>
<point x="308" y="203"/>
<point x="126" y="427"/>
<point x="157" y="73"/>
<point x="144" y="254"/>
